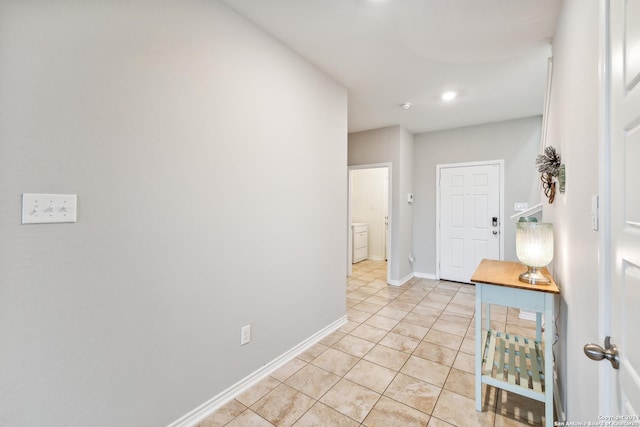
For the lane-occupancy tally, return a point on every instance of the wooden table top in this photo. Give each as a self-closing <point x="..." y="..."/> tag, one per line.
<point x="505" y="273"/>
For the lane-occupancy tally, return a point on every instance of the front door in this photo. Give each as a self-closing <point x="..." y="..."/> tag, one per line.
<point x="469" y="218"/>
<point x="624" y="28"/>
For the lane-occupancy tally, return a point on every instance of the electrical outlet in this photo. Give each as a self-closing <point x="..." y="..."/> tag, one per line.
<point x="245" y="335"/>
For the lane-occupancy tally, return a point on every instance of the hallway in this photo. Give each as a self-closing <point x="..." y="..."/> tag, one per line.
<point x="405" y="358"/>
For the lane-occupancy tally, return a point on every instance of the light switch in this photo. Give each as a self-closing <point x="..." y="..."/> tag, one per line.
<point x="48" y="208"/>
<point x="520" y="206"/>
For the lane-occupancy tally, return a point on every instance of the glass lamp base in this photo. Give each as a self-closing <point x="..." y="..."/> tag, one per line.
<point x="534" y="276"/>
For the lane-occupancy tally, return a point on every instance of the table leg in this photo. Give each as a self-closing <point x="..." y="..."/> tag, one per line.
<point x="479" y="347"/>
<point x="549" y="335"/>
<point x="487" y="316"/>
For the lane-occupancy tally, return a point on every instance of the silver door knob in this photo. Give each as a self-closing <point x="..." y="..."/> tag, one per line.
<point x="610" y="352"/>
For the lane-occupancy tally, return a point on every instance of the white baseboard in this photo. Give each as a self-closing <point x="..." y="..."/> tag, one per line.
<point x="209" y="407"/>
<point x="425" y="276"/>
<point x="375" y="257"/>
<point x="402" y="281"/>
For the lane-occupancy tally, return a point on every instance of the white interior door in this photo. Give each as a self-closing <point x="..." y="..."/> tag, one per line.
<point x="624" y="26"/>
<point x="469" y="218"/>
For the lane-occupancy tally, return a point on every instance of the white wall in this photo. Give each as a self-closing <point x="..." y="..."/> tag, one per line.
<point x="369" y="188"/>
<point x="515" y="141"/>
<point x="405" y="211"/>
<point x="573" y="131"/>
<point x="395" y="145"/>
<point x="206" y="158"/>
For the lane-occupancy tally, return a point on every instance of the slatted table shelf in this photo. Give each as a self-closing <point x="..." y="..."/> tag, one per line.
<point x="516" y="360"/>
<point x="521" y="365"/>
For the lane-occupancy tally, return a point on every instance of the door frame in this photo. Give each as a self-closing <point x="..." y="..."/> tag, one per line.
<point x="389" y="210"/>
<point x="439" y="167"/>
<point x="605" y="375"/>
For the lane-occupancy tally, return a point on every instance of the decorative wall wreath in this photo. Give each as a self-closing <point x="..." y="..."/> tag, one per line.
<point x="549" y="167"/>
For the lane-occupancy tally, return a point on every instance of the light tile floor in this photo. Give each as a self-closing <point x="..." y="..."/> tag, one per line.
<point x="405" y="358"/>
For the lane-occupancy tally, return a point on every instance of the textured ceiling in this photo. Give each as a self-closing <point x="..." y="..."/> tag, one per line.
<point x="388" y="52"/>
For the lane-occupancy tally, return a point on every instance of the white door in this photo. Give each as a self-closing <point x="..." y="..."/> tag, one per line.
<point x="469" y="218"/>
<point x="625" y="203"/>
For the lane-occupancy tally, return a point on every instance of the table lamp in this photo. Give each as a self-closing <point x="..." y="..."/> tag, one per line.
<point x="534" y="248"/>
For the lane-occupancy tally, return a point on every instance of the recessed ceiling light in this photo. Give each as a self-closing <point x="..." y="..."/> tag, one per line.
<point x="448" y="96"/>
<point x="406" y="105"/>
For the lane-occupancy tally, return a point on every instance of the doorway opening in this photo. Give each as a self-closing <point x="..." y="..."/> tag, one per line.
<point x="369" y="215"/>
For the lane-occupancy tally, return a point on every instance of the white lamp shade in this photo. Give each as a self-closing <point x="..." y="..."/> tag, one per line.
<point x="534" y="243"/>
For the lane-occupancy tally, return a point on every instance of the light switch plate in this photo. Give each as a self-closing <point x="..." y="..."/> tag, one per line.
<point x="48" y="208"/>
<point x="520" y="206"/>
